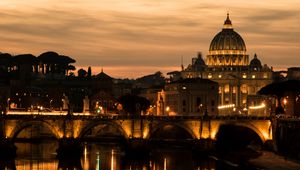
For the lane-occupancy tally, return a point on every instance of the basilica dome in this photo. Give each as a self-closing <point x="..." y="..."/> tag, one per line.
<point x="227" y="40"/>
<point x="227" y="48"/>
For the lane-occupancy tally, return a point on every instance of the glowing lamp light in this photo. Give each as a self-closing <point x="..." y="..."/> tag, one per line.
<point x="167" y="108"/>
<point x="263" y="105"/>
<point x="284" y="101"/>
<point x="226" y="106"/>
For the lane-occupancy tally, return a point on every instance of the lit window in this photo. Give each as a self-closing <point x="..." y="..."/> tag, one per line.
<point x="226" y="88"/>
<point x="220" y="76"/>
<point x="234" y="90"/>
<point x="209" y="76"/>
<point x="184" y="88"/>
<point x="253" y="76"/>
<point x="244" y="76"/>
<point x="244" y="88"/>
<point x="265" y="76"/>
<point x="244" y="101"/>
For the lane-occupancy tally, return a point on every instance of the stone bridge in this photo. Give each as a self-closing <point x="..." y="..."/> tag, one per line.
<point x="132" y="127"/>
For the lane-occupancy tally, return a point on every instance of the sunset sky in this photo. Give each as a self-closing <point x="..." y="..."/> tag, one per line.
<point x="136" y="37"/>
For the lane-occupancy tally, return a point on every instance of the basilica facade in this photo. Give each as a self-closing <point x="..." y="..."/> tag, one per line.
<point x="228" y="64"/>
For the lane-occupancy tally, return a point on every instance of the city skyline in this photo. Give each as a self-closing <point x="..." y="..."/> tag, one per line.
<point x="148" y="36"/>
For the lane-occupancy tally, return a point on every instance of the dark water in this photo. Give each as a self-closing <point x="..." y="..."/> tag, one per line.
<point x="109" y="157"/>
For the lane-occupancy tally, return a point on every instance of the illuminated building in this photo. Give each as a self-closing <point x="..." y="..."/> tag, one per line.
<point x="227" y="63"/>
<point x="189" y="97"/>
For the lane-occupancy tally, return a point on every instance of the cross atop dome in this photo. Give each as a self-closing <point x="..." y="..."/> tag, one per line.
<point x="227" y="23"/>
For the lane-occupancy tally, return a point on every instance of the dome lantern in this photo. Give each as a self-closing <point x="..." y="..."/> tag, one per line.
<point x="227" y="23"/>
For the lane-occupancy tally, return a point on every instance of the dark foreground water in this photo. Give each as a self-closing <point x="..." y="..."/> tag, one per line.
<point x="42" y="156"/>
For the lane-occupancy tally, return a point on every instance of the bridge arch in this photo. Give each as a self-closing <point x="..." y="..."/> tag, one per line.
<point x="238" y="136"/>
<point x="113" y="124"/>
<point x="176" y="126"/>
<point x="249" y="125"/>
<point x="21" y="125"/>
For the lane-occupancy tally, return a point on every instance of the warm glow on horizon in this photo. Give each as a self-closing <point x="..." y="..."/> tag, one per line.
<point x="139" y="37"/>
<point x="128" y="71"/>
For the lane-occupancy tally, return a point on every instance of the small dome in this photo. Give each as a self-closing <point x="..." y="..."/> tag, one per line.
<point x="227" y="39"/>
<point x="255" y="62"/>
<point x="103" y="76"/>
<point x="199" y="61"/>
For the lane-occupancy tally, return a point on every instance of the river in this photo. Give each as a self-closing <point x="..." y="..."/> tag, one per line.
<point x="42" y="156"/>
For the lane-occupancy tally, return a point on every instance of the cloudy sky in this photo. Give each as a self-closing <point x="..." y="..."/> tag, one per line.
<point x="136" y="37"/>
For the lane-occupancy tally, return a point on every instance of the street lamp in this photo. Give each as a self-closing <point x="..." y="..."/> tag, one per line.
<point x="167" y="108"/>
<point x="284" y="104"/>
<point x="50" y="103"/>
<point x="284" y="101"/>
<point x="201" y="109"/>
<point x="8" y="107"/>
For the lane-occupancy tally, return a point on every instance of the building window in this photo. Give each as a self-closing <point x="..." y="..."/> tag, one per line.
<point x="183" y="109"/>
<point x="183" y="103"/>
<point x="244" y="88"/>
<point x="226" y="100"/>
<point x="244" y="76"/>
<point x="226" y="88"/>
<point x="220" y="89"/>
<point x="198" y="102"/>
<point x="212" y="103"/>
<point x="253" y="76"/>
<point x="220" y="76"/>
<point x="244" y="101"/>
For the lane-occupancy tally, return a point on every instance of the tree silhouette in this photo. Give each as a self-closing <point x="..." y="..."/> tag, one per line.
<point x="81" y="73"/>
<point x="24" y="64"/>
<point x="133" y="104"/>
<point x="5" y="63"/>
<point x="54" y="62"/>
<point x="70" y="68"/>
<point x="89" y="73"/>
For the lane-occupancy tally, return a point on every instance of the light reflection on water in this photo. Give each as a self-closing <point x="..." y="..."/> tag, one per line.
<point x="106" y="157"/>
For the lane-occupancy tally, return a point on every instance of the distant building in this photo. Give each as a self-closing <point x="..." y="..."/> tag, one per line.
<point x="189" y="97"/>
<point x="293" y="73"/>
<point x="228" y="64"/>
<point x="151" y="80"/>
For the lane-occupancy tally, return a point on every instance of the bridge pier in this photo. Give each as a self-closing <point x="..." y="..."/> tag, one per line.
<point x="8" y="150"/>
<point x="69" y="148"/>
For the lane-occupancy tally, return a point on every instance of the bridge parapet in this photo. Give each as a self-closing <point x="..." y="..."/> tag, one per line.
<point x="133" y="126"/>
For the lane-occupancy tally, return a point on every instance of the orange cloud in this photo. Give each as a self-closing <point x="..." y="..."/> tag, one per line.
<point x="147" y="33"/>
